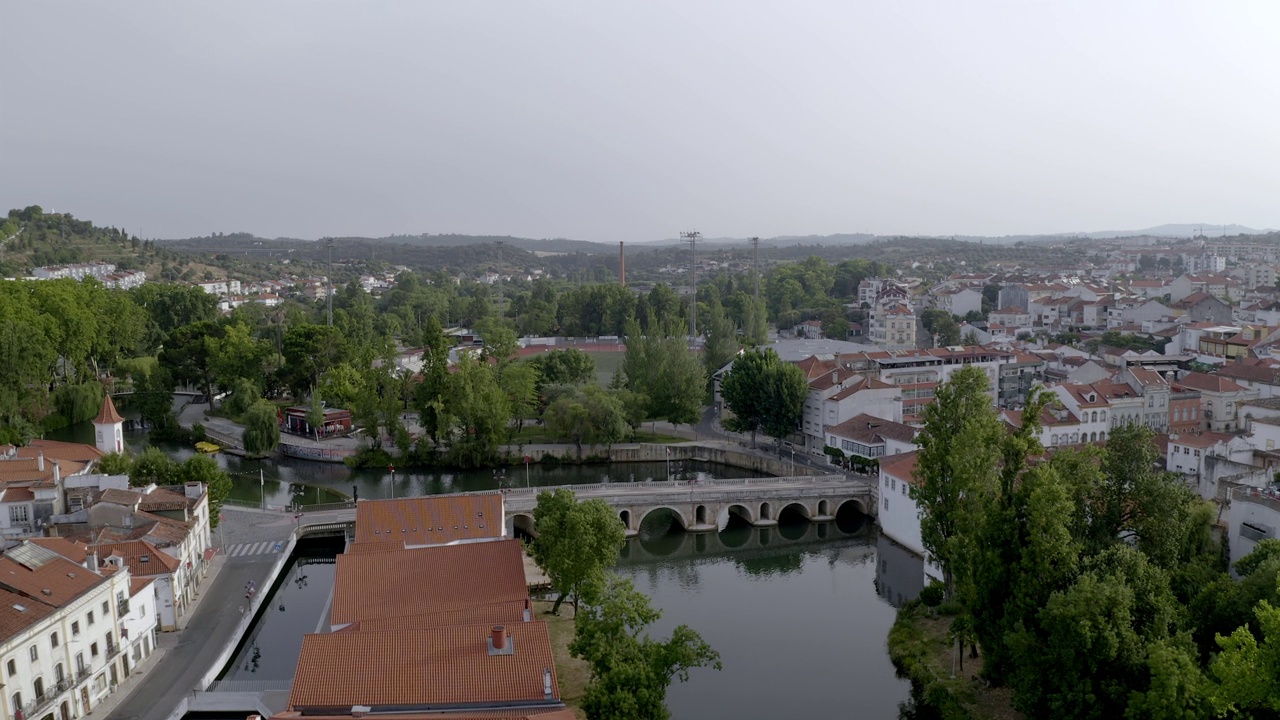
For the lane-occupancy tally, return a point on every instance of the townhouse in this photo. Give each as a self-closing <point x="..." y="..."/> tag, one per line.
<point x="1220" y="399"/>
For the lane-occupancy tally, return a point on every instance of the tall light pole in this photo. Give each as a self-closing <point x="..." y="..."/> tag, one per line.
<point x="692" y="238"/>
<point x="755" y="252"/>
<point x="329" y="242"/>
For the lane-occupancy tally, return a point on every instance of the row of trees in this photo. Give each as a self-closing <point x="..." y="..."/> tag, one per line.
<point x="153" y="466"/>
<point x="577" y="545"/>
<point x="1091" y="579"/>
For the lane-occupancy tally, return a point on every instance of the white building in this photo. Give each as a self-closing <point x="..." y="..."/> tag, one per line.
<point x="899" y="516"/>
<point x="62" y="652"/>
<point x="1252" y="516"/>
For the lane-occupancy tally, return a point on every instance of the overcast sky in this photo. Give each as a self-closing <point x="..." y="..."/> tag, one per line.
<point x="632" y="121"/>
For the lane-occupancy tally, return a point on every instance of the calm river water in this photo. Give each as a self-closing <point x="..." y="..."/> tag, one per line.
<point x="799" y="613"/>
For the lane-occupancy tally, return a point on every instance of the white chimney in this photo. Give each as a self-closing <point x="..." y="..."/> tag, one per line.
<point x="546" y="683"/>
<point x="40" y="461"/>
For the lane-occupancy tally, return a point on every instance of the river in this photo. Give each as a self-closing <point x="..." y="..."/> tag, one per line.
<point x="799" y="613"/>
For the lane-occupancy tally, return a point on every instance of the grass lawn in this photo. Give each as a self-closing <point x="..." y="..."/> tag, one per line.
<point x="606" y="364"/>
<point x="571" y="673"/>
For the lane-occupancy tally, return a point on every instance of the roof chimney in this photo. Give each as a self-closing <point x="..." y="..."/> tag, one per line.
<point x="40" y="461"/>
<point x="528" y="611"/>
<point x="546" y="683"/>
<point x="499" y="641"/>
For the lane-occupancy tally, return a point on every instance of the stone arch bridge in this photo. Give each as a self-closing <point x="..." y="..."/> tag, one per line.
<point x="707" y="506"/>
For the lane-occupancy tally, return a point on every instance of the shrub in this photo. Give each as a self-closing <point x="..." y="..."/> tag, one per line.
<point x="933" y="595"/>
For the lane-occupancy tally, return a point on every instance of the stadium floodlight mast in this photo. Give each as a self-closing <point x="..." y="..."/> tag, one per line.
<point x="692" y="238"/>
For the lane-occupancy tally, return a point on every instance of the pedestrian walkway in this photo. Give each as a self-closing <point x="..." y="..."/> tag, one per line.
<point x="269" y="547"/>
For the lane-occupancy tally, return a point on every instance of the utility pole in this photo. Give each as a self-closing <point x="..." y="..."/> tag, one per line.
<point x="755" y="251"/>
<point x="498" y="282"/>
<point x="692" y="238"/>
<point x="329" y="243"/>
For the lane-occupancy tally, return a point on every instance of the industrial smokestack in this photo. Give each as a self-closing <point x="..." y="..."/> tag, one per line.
<point x="622" y="264"/>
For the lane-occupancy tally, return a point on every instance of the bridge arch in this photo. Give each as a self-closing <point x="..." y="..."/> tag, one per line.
<point x="857" y="504"/>
<point x="680" y="517"/>
<point x="742" y="511"/>
<point x="523" y="523"/>
<point x="766" y="511"/>
<point x="798" y="507"/>
<point x="824" y="507"/>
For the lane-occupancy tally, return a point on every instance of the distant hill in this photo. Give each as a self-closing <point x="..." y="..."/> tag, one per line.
<point x="1183" y="230"/>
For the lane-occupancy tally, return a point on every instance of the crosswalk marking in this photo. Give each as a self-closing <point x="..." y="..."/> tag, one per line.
<point x="258" y="548"/>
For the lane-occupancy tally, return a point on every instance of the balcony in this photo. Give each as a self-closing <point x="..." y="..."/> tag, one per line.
<point x="122" y="607"/>
<point x="112" y="651"/>
<point x="83" y="674"/>
<point x="51" y="694"/>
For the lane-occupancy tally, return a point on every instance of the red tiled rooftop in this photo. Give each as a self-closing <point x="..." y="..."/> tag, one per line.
<point x="437" y="520"/>
<point x="371" y="585"/>
<point x="422" y="669"/>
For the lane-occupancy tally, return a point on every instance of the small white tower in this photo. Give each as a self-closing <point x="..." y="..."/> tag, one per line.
<point x="109" y="428"/>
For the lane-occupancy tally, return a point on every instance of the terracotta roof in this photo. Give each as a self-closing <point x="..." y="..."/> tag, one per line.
<point x="165" y="499"/>
<point x="76" y="552"/>
<point x="1251" y="372"/>
<point x="1146" y="377"/>
<point x="370" y="585"/>
<point x="141" y="557"/>
<point x="434" y="520"/>
<point x="901" y="466"/>
<point x="138" y="584"/>
<point x="1210" y="383"/>
<point x="863" y="383"/>
<point x="56" y="581"/>
<point x="115" y="496"/>
<point x="17" y="493"/>
<point x="436" y="668"/>
<point x="871" y="430"/>
<point x="1200" y="439"/>
<point x="502" y="613"/>
<point x="17" y="613"/>
<point x="108" y="413"/>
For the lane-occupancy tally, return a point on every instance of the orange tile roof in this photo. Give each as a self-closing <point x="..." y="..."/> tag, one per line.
<point x="506" y="714"/>
<point x="901" y="466"/>
<point x="108" y="413"/>
<point x="437" y="668"/>
<point x="56" y="582"/>
<point x="141" y="557"/>
<point x="503" y="613"/>
<point x="435" y="520"/>
<point x="17" y="613"/>
<point x="1209" y="383"/>
<point x="76" y="552"/>
<point x="371" y="585"/>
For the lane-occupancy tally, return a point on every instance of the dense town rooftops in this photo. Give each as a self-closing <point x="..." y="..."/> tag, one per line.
<point x="421" y="521"/>
<point x="45" y="576"/>
<point x="372" y="585"/>
<point x="422" y="669"/>
<point x="141" y="557"/>
<point x="1199" y="440"/>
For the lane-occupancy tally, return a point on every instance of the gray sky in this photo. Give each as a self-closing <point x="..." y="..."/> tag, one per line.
<point x="632" y="121"/>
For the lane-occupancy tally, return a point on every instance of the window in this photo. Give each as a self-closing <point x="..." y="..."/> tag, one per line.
<point x="886" y="504"/>
<point x="53" y="640"/>
<point x="1197" y="453"/>
<point x="106" y="608"/>
<point x="893" y="484"/>
<point x="17" y="700"/>
<point x="12" y="667"/>
<point x="35" y="653"/>
<point x="39" y="688"/>
<point x="90" y="617"/>
<point x="904" y="489"/>
<point x="93" y="650"/>
<point x="17" y="514"/>
<point x="58" y="673"/>
<point x="79" y="662"/>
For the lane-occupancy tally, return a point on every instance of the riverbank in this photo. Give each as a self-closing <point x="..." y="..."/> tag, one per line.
<point x="572" y="673"/>
<point x="921" y="649"/>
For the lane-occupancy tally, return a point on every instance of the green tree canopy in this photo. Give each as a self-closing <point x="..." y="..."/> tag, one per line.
<point x="764" y="394"/>
<point x="576" y="545"/>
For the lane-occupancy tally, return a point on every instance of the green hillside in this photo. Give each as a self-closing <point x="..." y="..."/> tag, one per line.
<point x="31" y="238"/>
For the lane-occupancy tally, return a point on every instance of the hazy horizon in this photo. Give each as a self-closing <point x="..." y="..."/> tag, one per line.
<point x="613" y="122"/>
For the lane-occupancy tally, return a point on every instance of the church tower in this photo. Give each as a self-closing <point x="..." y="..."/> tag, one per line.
<point x="109" y="428"/>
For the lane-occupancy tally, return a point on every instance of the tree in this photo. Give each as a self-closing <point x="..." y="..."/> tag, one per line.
<point x="570" y="366"/>
<point x="754" y="320"/>
<point x="309" y="351"/>
<point x="114" y="464"/>
<point x="941" y="325"/>
<point x="500" y="341"/>
<point x="588" y="415"/>
<point x="722" y="339"/>
<point x="956" y="468"/>
<point x="188" y="355"/>
<point x="479" y="410"/>
<point x="235" y="354"/>
<point x="204" y="469"/>
<point x="153" y="398"/>
<point x="630" y="671"/>
<point x="261" y="428"/>
<point x="576" y="545"/>
<point x="660" y="365"/>
<point x="835" y="325"/>
<point x="764" y="394"/>
<point x="520" y="383"/>
<point x="431" y="394"/>
<point x="1248" y="671"/>
<point x="152" y="466"/>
